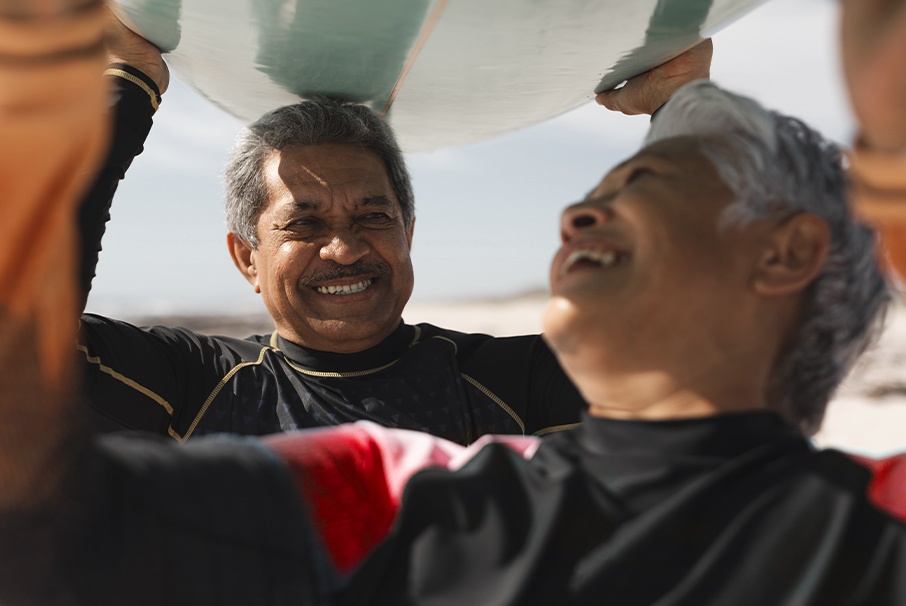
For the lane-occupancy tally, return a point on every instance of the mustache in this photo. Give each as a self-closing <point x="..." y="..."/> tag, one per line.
<point x="335" y="271"/>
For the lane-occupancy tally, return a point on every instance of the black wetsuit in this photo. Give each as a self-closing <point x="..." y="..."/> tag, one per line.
<point x="179" y="383"/>
<point x="733" y="509"/>
<point x="729" y="510"/>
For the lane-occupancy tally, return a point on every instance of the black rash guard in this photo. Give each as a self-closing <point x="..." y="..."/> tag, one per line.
<point x="176" y="382"/>
<point x="731" y="509"/>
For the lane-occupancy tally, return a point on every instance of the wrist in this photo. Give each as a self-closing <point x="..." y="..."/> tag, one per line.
<point x="878" y="178"/>
<point x="155" y="71"/>
<point x="138" y="78"/>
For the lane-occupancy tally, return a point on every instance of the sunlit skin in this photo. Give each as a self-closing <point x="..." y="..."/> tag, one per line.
<point x="672" y="316"/>
<point x="333" y="222"/>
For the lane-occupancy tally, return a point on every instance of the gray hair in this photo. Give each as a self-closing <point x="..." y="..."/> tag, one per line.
<point x="313" y="122"/>
<point x="778" y="167"/>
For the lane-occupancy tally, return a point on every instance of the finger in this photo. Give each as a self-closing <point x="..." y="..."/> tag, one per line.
<point x="608" y="99"/>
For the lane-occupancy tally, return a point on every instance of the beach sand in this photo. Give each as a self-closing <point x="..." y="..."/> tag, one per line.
<point x="867" y="415"/>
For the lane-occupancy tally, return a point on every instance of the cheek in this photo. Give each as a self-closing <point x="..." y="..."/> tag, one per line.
<point x="288" y="261"/>
<point x="394" y="249"/>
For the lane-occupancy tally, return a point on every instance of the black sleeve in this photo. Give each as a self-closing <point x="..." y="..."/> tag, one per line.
<point x="132" y="112"/>
<point x="150" y="379"/>
<point x="218" y="521"/>
<point x="523" y="372"/>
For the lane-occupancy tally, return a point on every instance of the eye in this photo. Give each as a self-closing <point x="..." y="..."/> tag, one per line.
<point x="376" y="217"/>
<point x="302" y="222"/>
<point x="638" y="172"/>
<point x="304" y="225"/>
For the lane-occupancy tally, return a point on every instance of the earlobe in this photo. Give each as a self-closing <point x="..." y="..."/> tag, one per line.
<point x="795" y="256"/>
<point x="243" y="255"/>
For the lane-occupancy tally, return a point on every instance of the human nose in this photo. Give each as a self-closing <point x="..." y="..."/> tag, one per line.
<point x="344" y="248"/>
<point x="582" y="215"/>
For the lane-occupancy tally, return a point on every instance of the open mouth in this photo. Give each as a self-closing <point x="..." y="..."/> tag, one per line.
<point x="345" y="289"/>
<point x="592" y="259"/>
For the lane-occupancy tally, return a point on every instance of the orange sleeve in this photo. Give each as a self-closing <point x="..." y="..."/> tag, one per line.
<point x="53" y="131"/>
<point x="879" y="191"/>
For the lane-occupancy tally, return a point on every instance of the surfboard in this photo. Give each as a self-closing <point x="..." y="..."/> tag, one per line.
<point x="443" y="72"/>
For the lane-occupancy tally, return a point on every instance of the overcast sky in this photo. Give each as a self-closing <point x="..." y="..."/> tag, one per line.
<point x="487" y="213"/>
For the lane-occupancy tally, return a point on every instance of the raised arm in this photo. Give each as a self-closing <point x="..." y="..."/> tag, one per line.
<point x="52" y="135"/>
<point x="138" y="76"/>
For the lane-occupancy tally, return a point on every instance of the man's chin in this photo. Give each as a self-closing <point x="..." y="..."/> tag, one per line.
<point x="560" y="323"/>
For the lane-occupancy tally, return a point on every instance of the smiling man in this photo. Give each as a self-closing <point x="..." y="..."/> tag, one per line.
<point x="330" y="250"/>
<point x="710" y="294"/>
<point x="321" y="219"/>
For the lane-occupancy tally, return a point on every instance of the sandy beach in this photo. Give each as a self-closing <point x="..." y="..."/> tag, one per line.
<point x="867" y="416"/>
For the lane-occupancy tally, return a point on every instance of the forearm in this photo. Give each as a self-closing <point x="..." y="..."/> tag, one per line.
<point x="879" y="198"/>
<point x="52" y="134"/>
<point x="132" y="110"/>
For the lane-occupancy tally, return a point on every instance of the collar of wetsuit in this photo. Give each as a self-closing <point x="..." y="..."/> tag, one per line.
<point x="386" y="352"/>
<point x="721" y="436"/>
<point x="636" y="465"/>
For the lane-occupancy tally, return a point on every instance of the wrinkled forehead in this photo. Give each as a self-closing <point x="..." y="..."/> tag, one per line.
<point x="684" y="154"/>
<point x="326" y="168"/>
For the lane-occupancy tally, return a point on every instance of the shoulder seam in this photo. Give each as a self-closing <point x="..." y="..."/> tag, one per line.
<point x="494" y="398"/>
<point x="555" y="428"/>
<point x="450" y="341"/>
<point x="153" y="396"/>
<point x="226" y="379"/>
<point x="125" y="380"/>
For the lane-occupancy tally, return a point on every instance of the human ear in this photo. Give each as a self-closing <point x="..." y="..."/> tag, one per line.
<point x="243" y="257"/>
<point x="795" y="254"/>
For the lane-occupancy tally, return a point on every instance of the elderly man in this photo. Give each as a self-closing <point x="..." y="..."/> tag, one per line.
<point x="321" y="217"/>
<point x="691" y="480"/>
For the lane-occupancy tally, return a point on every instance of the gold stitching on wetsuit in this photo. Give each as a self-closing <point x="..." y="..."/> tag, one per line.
<point x="126" y="380"/>
<point x="495" y="399"/>
<point x="450" y="341"/>
<point x="555" y="429"/>
<point x="340" y="375"/>
<point x="120" y="73"/>
<point x="226" y="378"/>
<point x="416" y="336"/>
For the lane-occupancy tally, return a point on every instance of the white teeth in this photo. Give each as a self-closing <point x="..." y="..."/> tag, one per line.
<point x="347" y="289"/>
<point x="603" y="258"/>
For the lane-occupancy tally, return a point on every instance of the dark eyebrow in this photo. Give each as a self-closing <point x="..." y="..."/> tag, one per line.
<point x="377" y="201"/>
<point x="305" y="205"/>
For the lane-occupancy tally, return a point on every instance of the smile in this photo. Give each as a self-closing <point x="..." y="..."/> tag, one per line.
<point x="346" y="289"/>
<point x="595" y="258"/>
